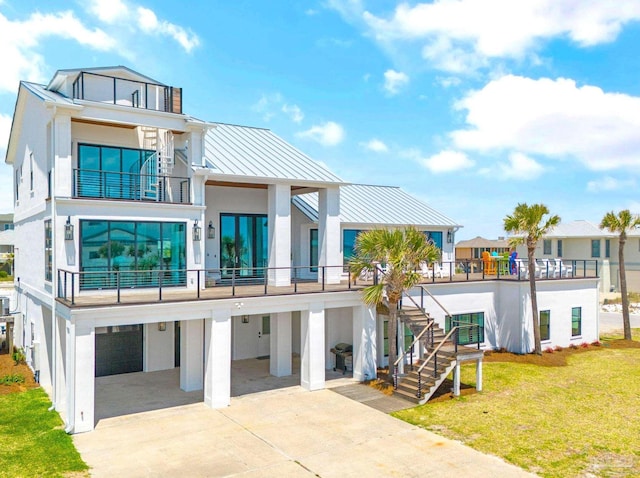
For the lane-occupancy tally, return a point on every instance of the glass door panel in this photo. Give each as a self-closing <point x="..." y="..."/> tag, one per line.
<point x="245" y="241"/>
<point x="243" y="245"/>
<point x="227" y="244"/>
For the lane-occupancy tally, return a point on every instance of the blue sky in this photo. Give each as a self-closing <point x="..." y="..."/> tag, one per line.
<point x="471" y="106"/>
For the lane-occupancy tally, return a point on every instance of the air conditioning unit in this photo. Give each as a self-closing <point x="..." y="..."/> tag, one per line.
<point x="4" y="306"/>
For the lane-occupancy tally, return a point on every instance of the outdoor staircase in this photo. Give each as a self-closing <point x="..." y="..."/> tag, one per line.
<point x="158" y="165"/>
<point x="420" y="380"/>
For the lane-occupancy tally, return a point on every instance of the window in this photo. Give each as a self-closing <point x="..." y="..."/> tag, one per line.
<point x="576" y="321"/>
<point x="30" y="171"/>
<point x="17" y="186"/>
<point x="546" y="247"/>
<point x="545" y="329"/>
<point x="595" y="248"/>
<point x="607" y="248"/>
<point x="559" y="247"/>
<point x="313" y="250"/>
<point x="8" y="227"/>
<point x="348" y="244"/>
<point x="467" y="335"/>
<point x="435" y="237"/>
<point x="408" y="338"/>
<point x="144" y="253"/>
<point x="48" y="256"/>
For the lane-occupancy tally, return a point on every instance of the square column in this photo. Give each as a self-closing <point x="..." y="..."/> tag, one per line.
<point x="364" y="343"/>
<point x="479" y="375"/>
<point x="280" y="360"/>
<point x="312" y="347"/>
<point x="191" y="355"/>
<point x="80" y="375"/>
<point x="217" y="360"/>
<point x="279" y="234"/>
<point x="329" y="236"/>
<point x="63" y="169"/>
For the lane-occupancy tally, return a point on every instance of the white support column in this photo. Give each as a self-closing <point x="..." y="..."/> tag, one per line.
<point x="329" y="235"/>
<point x="312" y="347"/>
<point x="217" y="360"/>
<point x="191" y="354"/>
<point x="80" y="374"/>
<point x="280" y="363"/>
<point x="364" y="343"/>
<point x="479" y="375"/>
<point x="63" y="168"/>
<point x="279" y="219"/>
<point x="456" y="380"/>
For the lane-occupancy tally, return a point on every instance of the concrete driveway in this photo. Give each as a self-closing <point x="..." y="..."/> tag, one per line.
<point x="284" y="432"/>
<point x="612" y="321"/>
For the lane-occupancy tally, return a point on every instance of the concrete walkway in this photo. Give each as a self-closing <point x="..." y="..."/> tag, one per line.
<point x="287" y="432"/>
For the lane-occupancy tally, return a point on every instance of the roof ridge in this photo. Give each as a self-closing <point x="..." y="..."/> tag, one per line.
<point x="240" y="125"/>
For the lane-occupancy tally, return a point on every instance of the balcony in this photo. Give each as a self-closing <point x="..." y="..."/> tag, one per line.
<point x="106" y="288"/>
<point x="99" y="184"/>
<point x="130" y="93"/>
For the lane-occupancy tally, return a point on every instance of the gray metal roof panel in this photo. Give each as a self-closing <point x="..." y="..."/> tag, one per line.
<point x="256" y="152"/>
<point x="41" y="92"/>
<point x="377" y="205"/>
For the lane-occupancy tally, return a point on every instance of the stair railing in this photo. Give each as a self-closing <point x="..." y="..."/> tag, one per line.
<point x="434" y="355"/>
<point x="404" y="352"/>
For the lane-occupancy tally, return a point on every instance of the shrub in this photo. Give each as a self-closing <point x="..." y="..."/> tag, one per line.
<point x="597" y="343"/>
<point x="557" y="348"/>
<point x="18" y="355"/>
<point x="549" y="350"/>
<point x="3" y="274"/>
<point x="584" y="345"/>
<point x="11" y="378"/>
<point x="573" y="347"/>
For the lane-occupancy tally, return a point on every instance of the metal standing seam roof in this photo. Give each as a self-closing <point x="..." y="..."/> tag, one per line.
<point x="379" y="205"/>
<point x="579" y="228"/>
<point x="259" y="153"/>
<point x="42" y="92"/>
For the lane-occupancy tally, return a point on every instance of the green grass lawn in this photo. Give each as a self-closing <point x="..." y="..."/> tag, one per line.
<point x="582" y="419"/>
<point x="32" y="439"/>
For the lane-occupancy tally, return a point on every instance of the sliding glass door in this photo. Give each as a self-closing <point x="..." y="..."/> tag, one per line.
<point x="244" y="242"/>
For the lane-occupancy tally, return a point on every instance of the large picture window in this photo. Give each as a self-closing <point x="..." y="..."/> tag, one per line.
<point x="349" y="244"/>
<point x="132" y="254"/>
<point x="466" y="334"/>
<point x="545" y="325"/>
<point x="313" y="250"/>
<point x="435" y="237"/>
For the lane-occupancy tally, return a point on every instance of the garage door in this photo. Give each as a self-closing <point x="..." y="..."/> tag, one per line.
<point x="118" y="350"/>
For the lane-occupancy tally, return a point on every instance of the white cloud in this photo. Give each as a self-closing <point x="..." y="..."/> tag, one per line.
<point x="445" y="161"/>
<point x="608" y="183"/>
<point x="294" y="112"/>
<point x="108" y="11"/>
<point x="552" y="118"/>
<point x="394" y="81"/>
<point x="327" y="134"/>
<point x="520" y="167"/>
<point x="448" y="81"/>
<point x="460" y="35"/>
<point x="20" y="54"/>
<point x="375" y="145"/>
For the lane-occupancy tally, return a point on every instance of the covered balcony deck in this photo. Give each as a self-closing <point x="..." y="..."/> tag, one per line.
<point x="109" y="288"/>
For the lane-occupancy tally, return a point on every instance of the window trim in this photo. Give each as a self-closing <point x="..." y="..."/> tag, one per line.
<point x="607" y="248"/>
<point x="559" y="247"/>
<point x="596" y="254"/>
<point x="548" y="325"/>
<point x="546" y="247"/>
<point x="579" y="321"/>
<point x="48" y="251"/>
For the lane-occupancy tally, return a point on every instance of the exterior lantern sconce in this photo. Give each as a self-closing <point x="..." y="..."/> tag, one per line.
<point x="245" y="319"/>
<point x="68" y="230"/>
<point x="449" y="236"/>
<point x="162" y="326"/>
<point x="197" y="231"/>
<point x="211" y="231"/>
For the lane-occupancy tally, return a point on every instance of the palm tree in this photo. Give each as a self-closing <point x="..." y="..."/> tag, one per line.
<point x="525" y="221"/>
<point x="623" y="222"/>
<point x="401" y="251"/>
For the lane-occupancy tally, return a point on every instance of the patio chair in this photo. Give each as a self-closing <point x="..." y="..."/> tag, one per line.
<point x="488" y="264"/>
<point x="425" y="270"/>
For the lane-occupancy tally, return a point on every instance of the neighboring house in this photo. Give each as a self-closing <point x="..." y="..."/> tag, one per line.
<point x="473" y="248"/>
<point x="147" y="239"/>
<point x="6" y="241"/>
<point x="584" y="240"/>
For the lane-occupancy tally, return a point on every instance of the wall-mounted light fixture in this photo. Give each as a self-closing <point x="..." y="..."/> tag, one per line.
<point x="449" y="236"/>
<point x="245" y="319"/>
<point x="162" y="326"/>
<point x="68" y="230"/>
<point x="211" y="231"/>
<point x="197" y="231"/>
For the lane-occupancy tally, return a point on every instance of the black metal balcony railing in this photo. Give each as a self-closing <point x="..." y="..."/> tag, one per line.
<point x="89" y="183"/>
<point x="124" y="92"/>
<point x="105" y="287"/>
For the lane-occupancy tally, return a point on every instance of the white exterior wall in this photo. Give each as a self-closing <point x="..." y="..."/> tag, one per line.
<point x="507" y="310"/>
<point x="338" y="328"/>
<point x="158" y="347"/>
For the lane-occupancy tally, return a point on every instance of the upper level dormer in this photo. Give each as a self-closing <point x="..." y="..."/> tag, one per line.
<point x="117" y="85"/>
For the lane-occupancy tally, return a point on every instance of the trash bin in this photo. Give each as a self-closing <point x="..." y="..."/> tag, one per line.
<point x="343" y="357"/>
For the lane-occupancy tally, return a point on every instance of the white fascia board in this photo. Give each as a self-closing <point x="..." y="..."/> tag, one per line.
<point x="241" y="178"/>
<point x="127" y="115"/>
<point x="137" y="207"/>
